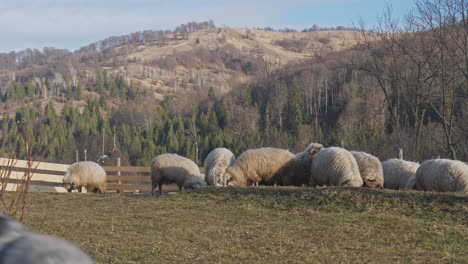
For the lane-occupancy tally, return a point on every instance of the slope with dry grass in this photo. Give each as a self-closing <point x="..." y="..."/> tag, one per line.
<point x="276" y="225"/>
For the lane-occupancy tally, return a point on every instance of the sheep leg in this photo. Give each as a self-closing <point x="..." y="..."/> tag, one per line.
<point x="153" y="187"/>
<point x="80" y="188"/>
<point x="160" y="188"/>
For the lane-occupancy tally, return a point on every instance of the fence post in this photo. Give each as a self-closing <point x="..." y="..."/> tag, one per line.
<point x="76" y="156"/>
<point x="85" y="155"/>
<point x="118" y="172"/>
<point x="400" y="153"/>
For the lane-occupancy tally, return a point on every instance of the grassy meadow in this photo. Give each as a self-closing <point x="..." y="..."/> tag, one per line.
<point x="259" y="225"/>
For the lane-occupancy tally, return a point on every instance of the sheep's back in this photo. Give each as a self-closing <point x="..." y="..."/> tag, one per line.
<point x="399" y="174"/>
<point x="264" y="163"/>
<point x="89" y="173"/>
<point x="370" y="168"/>
<point x="216" y="163"/>
<point x="442" y="175"/>
<point x="335" y="166"/>
<point x="173" y="167"/>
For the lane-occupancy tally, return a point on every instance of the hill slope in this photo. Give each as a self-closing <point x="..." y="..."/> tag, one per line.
<point x="259" y="225"/>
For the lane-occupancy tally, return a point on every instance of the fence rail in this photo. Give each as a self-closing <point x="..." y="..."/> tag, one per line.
<point x="47" y="177"/>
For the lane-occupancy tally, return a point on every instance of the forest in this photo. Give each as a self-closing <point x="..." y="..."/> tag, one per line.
<point x="403" y="85"/>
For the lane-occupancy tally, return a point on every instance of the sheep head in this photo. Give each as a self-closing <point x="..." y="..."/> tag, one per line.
<point x="372" y="184"/>
<point x="312" y="149"/>
<point x="70" y="181"/>
<point x="194" y="182"/>
<point x="235" y="177"/>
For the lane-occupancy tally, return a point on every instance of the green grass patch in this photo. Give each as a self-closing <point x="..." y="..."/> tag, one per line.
<point x="260" y="225"/>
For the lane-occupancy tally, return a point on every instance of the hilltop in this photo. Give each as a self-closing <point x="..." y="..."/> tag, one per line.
<point x="169" y="63"/>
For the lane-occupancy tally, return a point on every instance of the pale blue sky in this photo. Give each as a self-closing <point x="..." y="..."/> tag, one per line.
<point x="71" y="24"/>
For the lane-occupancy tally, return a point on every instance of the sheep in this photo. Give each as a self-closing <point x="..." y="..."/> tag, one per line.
<point x="85" y="174"/>
<point x="334" y="166"/>
<point x="18" y="245"/>
<point x="170" y="168"/>
<point x="266" y="165"/>
<point x="305" y="157"/>
<point x="370" y="169"/>
<point x="216" y="163"/>
<point x="442" y="175"/>
<point x="399" y="174"/>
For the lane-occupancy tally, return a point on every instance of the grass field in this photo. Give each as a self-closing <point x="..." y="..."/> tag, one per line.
<point x="260" y="225"/>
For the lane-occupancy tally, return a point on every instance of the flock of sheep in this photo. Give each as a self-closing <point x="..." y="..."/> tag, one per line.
<point x="315" y="166"/>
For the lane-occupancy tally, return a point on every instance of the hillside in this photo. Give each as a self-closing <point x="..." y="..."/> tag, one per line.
<point x="172" y="63"/>
<point x="258" y="225"/>
<point x="218" y="58"/>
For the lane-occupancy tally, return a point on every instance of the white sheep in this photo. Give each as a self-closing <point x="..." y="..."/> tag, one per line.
<point x="442" y="175"/>
<point x="18" y="245"/>
<point x="370" y="169"/>
<point x="266" y="165"/>
<point x="172" y="168"/>
<point x="335" y="166"/>
<point x="305" y="157"/>
<point x="399" y="174"/>
<point x="216" y="163"/>
<point x="85" y="174"/>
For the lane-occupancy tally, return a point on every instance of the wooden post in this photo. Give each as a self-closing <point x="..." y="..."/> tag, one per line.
<point x="85" y="155"/>
<point x="115" y="145"/>
<point x="118" y="165"/>
<point x="118" y="172"/>
<point x="196" y="152"/>
<point x="103" y="141"/>
<point x="342" y="143"/>
<point x="77" y="157"/>
<point x="400" y="153"/>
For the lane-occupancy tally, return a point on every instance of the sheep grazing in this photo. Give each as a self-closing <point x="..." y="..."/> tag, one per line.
<point x="216" y="163"/>
<point x="85" y="174"/>
<point x="399" y="174"/>
<point x="305" y="157"/>
<point x="370" y="169"/>
<point x="18" y="245"/>
<point x="266" y="165"/>
<point x="172" y="168"/>
<point x="335" y="166"/>
<point x="442" y="175"/>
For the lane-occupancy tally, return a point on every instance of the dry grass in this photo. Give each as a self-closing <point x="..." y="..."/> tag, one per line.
<point x="260" y="225"/>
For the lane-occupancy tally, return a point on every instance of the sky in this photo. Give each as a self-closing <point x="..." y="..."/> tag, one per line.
<point x="71" y="24"/>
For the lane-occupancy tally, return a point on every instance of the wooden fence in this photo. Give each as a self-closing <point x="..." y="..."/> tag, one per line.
<point x="47" y="177"/>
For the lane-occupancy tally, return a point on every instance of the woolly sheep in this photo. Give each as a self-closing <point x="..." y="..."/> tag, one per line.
<point x="172" y="168"/>
<point x="18" y="245"/>
<point x="267" y="165"/>
<point x="370" y="169"/>
<point x="85" y="174"/>
<point x="305" y="158"/>
<point x="399" y="174"/>
<point x="216" y="163"/>
<point x="335" y="166"/>
<point x="442" y="175"/>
